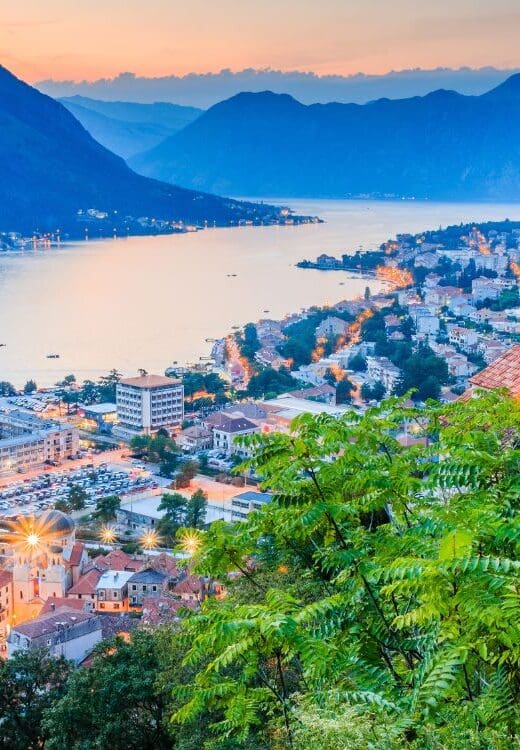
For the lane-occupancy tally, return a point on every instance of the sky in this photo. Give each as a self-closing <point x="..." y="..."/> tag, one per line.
<point x="91" y="39"/>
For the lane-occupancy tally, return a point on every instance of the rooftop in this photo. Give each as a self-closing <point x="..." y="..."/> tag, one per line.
<point x="149" y="381"/>
<point x="52" y="622"/>
<point x="504" y="372"/>
<point x="149" y="575"/>
<point x="113" y="579"/>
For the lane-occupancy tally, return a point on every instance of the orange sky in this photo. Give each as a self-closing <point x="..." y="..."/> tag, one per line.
<point x="89" y="39"/>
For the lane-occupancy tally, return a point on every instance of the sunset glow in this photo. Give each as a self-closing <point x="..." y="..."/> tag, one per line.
<point x="54" y="39"/>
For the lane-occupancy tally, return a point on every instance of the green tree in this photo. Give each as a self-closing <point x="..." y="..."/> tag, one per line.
<point x="7" y="389"/>
<point x="120" y="702"/>
<point x="30" y="683"/>
<point x="196" y="510"/>
<point x="77" y="497"/>
<point x="174" y="506"/>
<point x="30" y="387"/>
<point x="107" y="507"/>
<point x="379" y="587"/>
<point x="344" y="390"/>
<point x="186" y="473"/>
<point x="357" y="363"/>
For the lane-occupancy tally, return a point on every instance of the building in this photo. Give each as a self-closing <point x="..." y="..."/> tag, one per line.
<point x="242" y="505"/>
<point x="145" y="584"/>
<point x="227" y="433"/>
<point x="148" y="403"/>
<point x="27" y="442"/>
<point x="64" y="632"/>
<point x="6" y="602"/>
<point x="331" y="327"/>
<point x="100" y="417"/>
<point x="465" y="338"/>
<point x="112" y="591"/>
<point x="380" y="368"/>
<point x="195" y="438"/>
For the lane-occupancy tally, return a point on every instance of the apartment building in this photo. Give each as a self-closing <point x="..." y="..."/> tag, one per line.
<point x="148" y="403"/>
<point x="27" y="442"/>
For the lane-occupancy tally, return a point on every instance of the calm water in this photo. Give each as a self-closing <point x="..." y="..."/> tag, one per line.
<point x="148" y="301"/>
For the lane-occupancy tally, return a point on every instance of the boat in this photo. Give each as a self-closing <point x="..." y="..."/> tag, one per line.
<point x="266" y="311"/>
<point x="53" y="356"/>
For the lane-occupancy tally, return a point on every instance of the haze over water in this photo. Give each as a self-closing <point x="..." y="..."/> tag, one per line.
<point x="149" y="301"/>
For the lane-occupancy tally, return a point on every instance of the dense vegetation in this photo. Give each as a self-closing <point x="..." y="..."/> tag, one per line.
<point x="377" y="606"/>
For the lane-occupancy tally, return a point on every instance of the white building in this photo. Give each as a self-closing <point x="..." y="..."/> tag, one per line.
<point x="380" y="368"/>
<point x="148" y="403"/>
<point x="226" y="434"/>
<point x="27" y="442"/>
<point x="112" y="590"/>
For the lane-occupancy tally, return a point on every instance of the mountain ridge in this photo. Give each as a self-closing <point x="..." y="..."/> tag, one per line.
<point x="443" y="146"/>
<point x="53" y="169"/>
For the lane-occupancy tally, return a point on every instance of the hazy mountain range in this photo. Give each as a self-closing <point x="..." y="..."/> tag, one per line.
<point x="126" y="128"/>
<point x="52" y="168"/>
<point x="205" y="89"/>
<point x="443" y="146"/>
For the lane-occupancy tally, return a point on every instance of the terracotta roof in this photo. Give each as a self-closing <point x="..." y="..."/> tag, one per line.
<point x="149" y="381"/>
<point x="504" y="372"/>
<point x="76" y="553"/>
<point x="119" y="560"/>
<point x="6" y="577"/>
<point x="166" y="564"/>
<point x="189" y="585"/>
<point x="86" y="584"/>
<point x="60" y="602"/>
<point x="162" y="609"/>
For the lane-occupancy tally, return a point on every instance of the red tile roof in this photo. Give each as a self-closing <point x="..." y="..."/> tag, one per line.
<point x="119" y="560"/>
<point x="162" y="609"/>
<point x="76" y="553"/>
<point x="86" y="584"/>
<point x="189" y="585"/>
<point x="504" y="372"/>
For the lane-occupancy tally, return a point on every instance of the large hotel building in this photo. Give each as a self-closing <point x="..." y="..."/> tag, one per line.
<point x="148" y="403"/>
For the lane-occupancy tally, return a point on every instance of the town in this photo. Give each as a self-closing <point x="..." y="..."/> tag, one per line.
<point x="107" y="487"/>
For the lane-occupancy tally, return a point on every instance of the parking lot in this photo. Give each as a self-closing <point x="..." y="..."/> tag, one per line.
<point x="37" y="493"/>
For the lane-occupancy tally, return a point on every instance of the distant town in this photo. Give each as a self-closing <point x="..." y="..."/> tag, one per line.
<point x="99" y="479"/>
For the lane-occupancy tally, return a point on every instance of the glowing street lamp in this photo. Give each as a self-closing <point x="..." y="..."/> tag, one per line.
<point x="190" y="542"/>
<point x="149" y="540"/>
<point x="107" y="534"/>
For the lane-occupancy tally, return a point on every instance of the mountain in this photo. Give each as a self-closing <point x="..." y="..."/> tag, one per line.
<point x="51" y="169"/>
<point x="443" y="146"/>
<point x="206" y="89"/>
<point x="127" y="128"/>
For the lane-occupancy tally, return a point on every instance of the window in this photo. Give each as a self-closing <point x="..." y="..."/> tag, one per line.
<point x="154" y="588"/>
<point x="101" y="605"/>
<point x="116" y="606"/>
<point x="134" y="587"/>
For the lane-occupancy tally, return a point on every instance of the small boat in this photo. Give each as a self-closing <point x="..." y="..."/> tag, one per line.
<point x="3" y="344"/>
<point x="266" y="311"/>
<point x="53" y="356"/>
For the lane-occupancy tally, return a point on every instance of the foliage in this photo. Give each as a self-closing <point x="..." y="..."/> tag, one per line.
<point x="373" y="392"/>
<point x="378" y="592"/>
<point x="30" y="682"/>
<point x="77" y="497"/>
<point x="107" y="507"/>
<point x="187" y="471"/>
<point x="196" y="510"/>
<point x="7" y="389"/>
<point x="248" y="342"/>
<point x="268" y="383"/>
<point x="122" y="700"/>
<point x="357" y="363"/>
<point x="159" y="449"/>
<point x="30" y="387"/>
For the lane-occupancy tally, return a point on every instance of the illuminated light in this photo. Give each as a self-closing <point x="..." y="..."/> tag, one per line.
<point x="515" y="268"/>
<point x="107" y="534"/>
<point x="190" y="542"/>
<point x="396" y="277"/>
<point x="149" y="540"/>
<point x="33" y="540"/>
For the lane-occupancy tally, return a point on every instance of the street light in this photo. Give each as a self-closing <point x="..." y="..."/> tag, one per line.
<point x="149" y="540"/>
<point x="107" y="534"/>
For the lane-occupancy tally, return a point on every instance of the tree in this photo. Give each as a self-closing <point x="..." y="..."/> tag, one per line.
<point x="174" y="507"/>
<point x="378" y="589"/>
<point x="119" y="702"/>
<point x="63" y="505"/>
<point x="373" y="392"/>
<point x="30" y="387"/>
<point x="77" y="497"/>
<point x="186" y="473"/>
<point x="344" y="390"/>
<point x="30" y="683"/>
<point x="7" y="389"/>
<point x="357" y="363"/>
<point x="196" y="510"/>
<point x="107" y="507"/>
